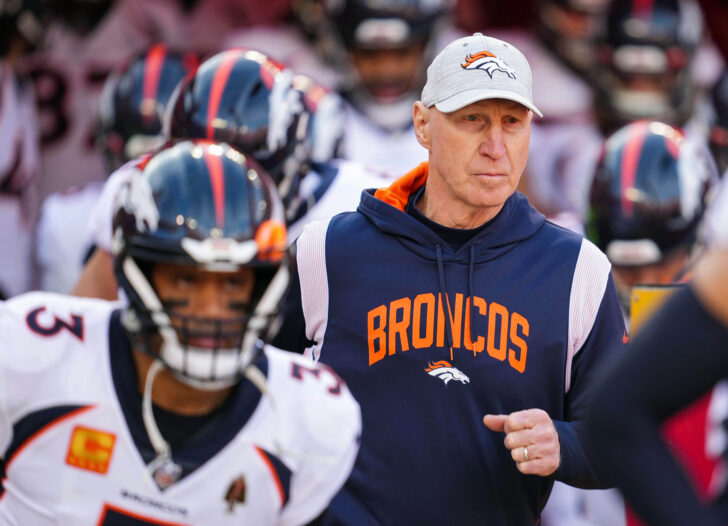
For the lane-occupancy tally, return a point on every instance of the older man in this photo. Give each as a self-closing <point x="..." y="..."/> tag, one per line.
<point x="446" y="301"/>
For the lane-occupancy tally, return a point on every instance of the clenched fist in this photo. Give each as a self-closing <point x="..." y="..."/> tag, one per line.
<point x="531" y="438"/>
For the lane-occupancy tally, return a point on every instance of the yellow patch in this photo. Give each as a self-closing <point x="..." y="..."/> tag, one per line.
<point x="90" y="449"/>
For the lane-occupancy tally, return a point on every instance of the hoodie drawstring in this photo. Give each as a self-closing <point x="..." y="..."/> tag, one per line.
<point x="443" y="294"/>
<point x="471" y="303"/>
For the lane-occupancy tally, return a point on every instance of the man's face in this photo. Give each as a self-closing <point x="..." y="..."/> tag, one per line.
<point x="206" y="307"/>
<point x="477" y="153"/>
<point x="389" y="73"/>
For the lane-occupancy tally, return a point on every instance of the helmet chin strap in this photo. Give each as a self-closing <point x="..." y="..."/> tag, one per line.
<point x="163" y="469"/>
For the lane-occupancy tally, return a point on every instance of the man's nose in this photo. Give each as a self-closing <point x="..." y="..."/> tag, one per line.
<point x="492" y="143"/>
<point x="210" y="300"/>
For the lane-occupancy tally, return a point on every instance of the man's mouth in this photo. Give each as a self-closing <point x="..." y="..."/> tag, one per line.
<point x="209" y="342"/>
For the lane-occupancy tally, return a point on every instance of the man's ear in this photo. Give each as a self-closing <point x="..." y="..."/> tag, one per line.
<point x="421" y="120"/>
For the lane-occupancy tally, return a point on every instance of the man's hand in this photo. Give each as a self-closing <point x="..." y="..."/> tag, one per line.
<point x="531" y="438"/>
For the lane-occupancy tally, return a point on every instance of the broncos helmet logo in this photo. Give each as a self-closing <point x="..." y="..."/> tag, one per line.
<point x="488" y="62"/>
<point x="446" y="372"/>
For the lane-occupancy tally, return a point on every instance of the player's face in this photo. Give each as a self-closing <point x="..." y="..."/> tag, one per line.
<point x="196" y="297"/>
<point x="477" y="153"/>
<point x="388" y="73"/>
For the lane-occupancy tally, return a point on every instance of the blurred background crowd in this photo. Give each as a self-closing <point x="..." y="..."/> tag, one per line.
<point x="633" y="139"/>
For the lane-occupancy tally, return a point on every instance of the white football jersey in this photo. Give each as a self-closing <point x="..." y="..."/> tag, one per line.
<point x="394" y="153"/>
<point x="76" y="451"/>
<point x="62" y="242"/>
<point x="336" y="190"/>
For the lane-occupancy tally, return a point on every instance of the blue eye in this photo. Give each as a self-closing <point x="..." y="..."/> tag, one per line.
<point x="472" y="118"/>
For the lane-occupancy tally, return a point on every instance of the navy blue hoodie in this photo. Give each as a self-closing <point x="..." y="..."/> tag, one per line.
<point x="429" y="340"/>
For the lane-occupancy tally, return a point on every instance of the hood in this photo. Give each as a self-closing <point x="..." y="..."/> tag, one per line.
<point x="385" y="208"/>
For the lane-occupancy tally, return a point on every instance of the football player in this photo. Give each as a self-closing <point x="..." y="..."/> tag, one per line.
<point x="170" y="410"/>
<point x="650" y="73"/>
<point x="380" y="50"/>
<point x="129" y="125"/>
<point x="649" y="193"/>
<point x="679" y="355"/>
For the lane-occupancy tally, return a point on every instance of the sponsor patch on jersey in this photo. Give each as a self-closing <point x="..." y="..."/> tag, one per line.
<point x="488" y="62"/>
<point x="446" y="372"/>
<point x="90" y="449"/>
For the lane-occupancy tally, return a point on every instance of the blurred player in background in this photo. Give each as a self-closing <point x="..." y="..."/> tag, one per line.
<point x="674" y="360"/>
<point x="256" y="104"/>
<point x="648" y="196"/>
<point x="650" y="72"/>
<point x="129" y="124"/>
<point x="22" y="29"/>
<point x="380" y="50"/>
<point x="172" y="410"/>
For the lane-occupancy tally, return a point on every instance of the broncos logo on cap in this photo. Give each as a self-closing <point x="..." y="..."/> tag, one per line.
<point x="446" y="372"/>
<point x="488" y="62"/>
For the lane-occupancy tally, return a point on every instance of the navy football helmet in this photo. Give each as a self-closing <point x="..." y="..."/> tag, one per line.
<point x="133" y="103"/>
<point x="246" y="99"/>
<point x="648" y="194"/>
<point x="206" y="206"/>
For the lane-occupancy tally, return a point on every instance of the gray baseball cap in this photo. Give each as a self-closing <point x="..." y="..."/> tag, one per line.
<point x="476" y="68"/>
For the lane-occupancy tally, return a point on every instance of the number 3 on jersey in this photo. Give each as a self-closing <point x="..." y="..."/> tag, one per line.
<point x="297" y="371"/>
<point x="38" y="323"/>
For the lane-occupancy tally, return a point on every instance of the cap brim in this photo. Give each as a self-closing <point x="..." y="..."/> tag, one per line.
<point x="462" y="99"/>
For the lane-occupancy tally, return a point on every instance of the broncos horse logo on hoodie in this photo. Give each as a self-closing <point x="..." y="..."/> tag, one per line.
<point x="446" y="372"/>
<point x="488" y="62"/>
